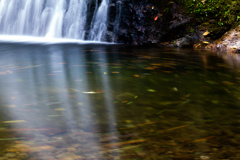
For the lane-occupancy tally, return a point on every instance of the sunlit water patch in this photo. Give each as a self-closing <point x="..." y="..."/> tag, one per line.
<point x="71" y="101"/>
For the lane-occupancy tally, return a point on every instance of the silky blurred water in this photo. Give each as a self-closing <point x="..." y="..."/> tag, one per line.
<point x="54" y="19"/>
<point x="148" y="102"/>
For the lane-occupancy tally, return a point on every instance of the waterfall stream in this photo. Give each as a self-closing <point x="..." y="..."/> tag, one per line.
<point x="99" y="26"/>
<point x="53" y="19"/>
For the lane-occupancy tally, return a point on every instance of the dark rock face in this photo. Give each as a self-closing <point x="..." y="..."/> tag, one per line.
<point x="133" y="22"/>
<point x="138" y="25"/>
<point x="176" y="23"/>
<point x="138" y="22"/>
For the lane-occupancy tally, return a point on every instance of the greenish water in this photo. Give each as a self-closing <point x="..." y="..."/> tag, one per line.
<point x="118" y="102"/>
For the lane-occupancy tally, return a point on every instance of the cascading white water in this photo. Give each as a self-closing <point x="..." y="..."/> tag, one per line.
<point x="56" y="20"/>
<point x="78" y="10"/>
<point x="52" y="18"/>
<point x="99" y="26"/>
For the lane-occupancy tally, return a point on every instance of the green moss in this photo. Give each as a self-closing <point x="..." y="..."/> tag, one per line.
<point x="225" y="11"/>
<point x="217" y="15"/>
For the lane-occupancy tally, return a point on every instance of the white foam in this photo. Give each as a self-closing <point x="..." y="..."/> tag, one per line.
<point x="45" y="40"/>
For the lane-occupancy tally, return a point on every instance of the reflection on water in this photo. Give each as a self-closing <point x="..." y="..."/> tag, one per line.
<point x="117" y="102"/>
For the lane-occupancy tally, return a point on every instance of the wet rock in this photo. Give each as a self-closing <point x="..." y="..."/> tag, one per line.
<point x="197" y="39"/>
<point x="229" y="42"/>
<point x="182" y="42"/>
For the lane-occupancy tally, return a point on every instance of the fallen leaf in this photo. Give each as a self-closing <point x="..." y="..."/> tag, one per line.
<point x="91" y="92"/>
<point x="136" y="75"/>
<point x="170" y="129"/>
<point x="206" y="33"/>
<point x="138" y="125"/>
<point x="202" y="139"/>
<point x="151" y="90"/>
<point x="124" y="143"/>
<point x="156" y="64"/>
<point x="175" y="89"/>
<point x="211" y="82"/>
<point x="168" y="71"/>
<point x="117" y="67"/>
<point x="227" y="83"/>
<point x="11" y="106"/>
<point x="59" y="109"/>
<point x="10" y="139"/>
<point x="149" y="68"/>
<point x="122" y="149"/>
<point x="16" y="121"/>
<point x="128" y="121"/>
<point x="129" y="103"/>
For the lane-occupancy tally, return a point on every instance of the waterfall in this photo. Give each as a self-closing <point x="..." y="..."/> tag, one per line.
<point x="56" y="21"/>
<point x="53" y="18"/>
<point x="75" y="19"/>
<point x="99" y="26"/>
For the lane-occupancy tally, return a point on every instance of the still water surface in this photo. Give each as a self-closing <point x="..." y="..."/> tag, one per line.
<point x="118" y="102"/>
